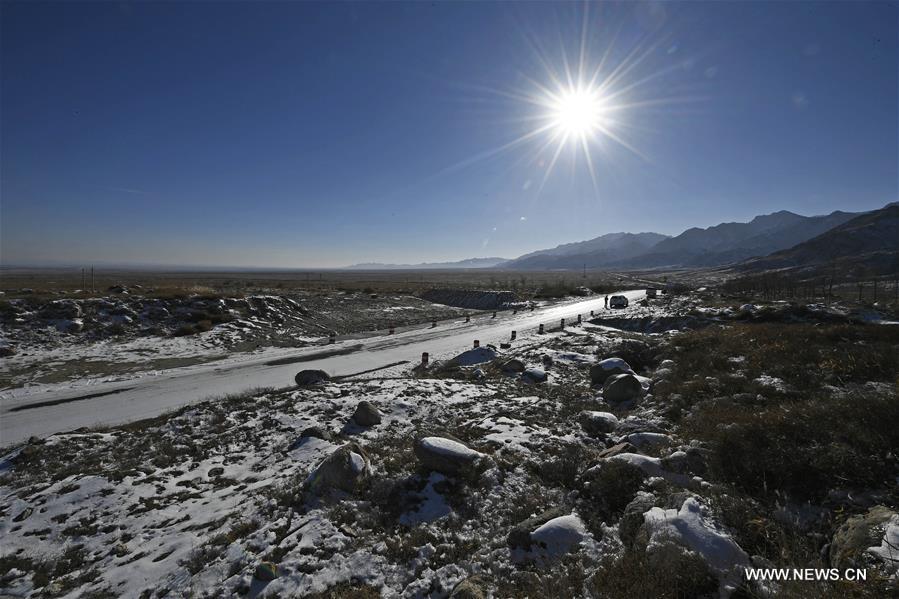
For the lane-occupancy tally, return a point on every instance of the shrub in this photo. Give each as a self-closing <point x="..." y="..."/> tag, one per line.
<point x="804" y="448"/>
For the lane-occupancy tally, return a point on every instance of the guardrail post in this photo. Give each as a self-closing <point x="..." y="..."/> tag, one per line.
<point x="424" y="358"/>
<point x="433" y="324"/>
<point x="579" y="319"/>
<point x="563" y="323"/>
<point x="513" y="335"/>
<point x="467" y="318"/>
<point x="540" y="330"/>
<point x="477" y="343"/>
<point x="494" y="315"/>
<point x="332" y="337"/>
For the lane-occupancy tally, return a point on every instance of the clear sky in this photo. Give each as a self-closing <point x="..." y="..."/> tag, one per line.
<point x="298" y="134"/>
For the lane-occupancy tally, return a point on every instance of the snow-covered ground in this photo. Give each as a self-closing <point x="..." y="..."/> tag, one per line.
<point x="46" y="409"/>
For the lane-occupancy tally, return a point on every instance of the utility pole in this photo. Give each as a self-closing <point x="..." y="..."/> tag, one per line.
<point x="82" y="280"/>
<point x="92" y="280"/>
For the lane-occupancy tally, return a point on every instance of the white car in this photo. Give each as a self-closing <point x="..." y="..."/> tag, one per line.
<point x="618" y="301"/>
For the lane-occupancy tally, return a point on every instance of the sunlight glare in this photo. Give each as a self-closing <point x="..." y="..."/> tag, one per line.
<point x="578" y="112"/>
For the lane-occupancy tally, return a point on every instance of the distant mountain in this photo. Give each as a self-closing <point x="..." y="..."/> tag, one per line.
<point x="469" y="263"/>
<point x="732" y="242"/>
<point x="867" y="244"/>
<point x="593" y="253"/>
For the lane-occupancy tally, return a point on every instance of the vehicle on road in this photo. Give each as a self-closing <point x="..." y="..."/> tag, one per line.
<point x="618" y="301"/>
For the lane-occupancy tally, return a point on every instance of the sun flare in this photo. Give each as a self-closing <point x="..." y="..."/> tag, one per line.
<point x="578" y="112"/>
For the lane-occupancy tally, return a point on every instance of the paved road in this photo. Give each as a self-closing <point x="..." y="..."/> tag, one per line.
<point x="44" y="411"/>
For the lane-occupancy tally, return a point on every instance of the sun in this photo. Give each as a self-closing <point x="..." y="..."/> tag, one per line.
<point x="577" y="112"/>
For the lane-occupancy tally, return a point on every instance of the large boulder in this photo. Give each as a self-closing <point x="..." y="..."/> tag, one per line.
<point x="604" y="369"/>
<point x="307" y="378"/>
<point x="447" y="456"/>
<point x="366" y="414"/>
<point x="345" y="469"/>
<point x="867" y="539"/>
<point x="597" y="423"/>
<point x="622" y="388"/>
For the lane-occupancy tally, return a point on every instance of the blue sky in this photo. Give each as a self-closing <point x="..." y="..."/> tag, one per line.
<point x="301" y="134"/>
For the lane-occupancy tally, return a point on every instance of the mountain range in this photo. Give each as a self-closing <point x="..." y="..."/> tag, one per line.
<point x="867" y="244"/>
<point x="771" y="241"/>
<point x="469" y="263"/>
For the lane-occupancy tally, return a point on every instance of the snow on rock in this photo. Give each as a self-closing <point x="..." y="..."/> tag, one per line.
<point x="344" y="469"/>
<point x="447" y="456"/>
<point x="653" y="467"/>
<point x="534" y="376"/>
<point x="597" y="423"/>
<point x="604" y="369"/>
<point x="867" y="537"/>
<point x="478" y="355"/>
<point x="888" y="549"/>
<point x="559" y="535"/>
<point x="691" y="528"/>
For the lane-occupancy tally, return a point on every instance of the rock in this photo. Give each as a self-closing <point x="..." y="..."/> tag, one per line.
<point x="345" y="469"/>
<point x="266" y="572"/>
<point x="520" y="535"/>
<point x="478" y="355"/>
<point x="560" y="535"/>
<point x="447" y="456"/>
<point x="644" y="440"/>
<point x="533" y="375"/>
<point x="690" y="528"/>
<point x="866" y="539"/>
<point x="622" y="388"/>
<point x="7" y="351"/>
<point x="632" y="519"/>
<point x="615" y="450"/>
<point x="307" y="378"/>
<point x="604" y="369"/>
<point x="366" y="414"/>
<point x="316" y="432"/>
<point x="513" y="366"/>
<point x="470" y="588"/>
<point x="215" y="471"/>
<point x="597" y="423"/>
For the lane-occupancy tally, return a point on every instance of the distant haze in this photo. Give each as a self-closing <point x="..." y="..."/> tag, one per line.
<point x="302" y="134"/>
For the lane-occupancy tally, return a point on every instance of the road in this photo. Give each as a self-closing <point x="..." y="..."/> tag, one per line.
<point x="43" y="411"/>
